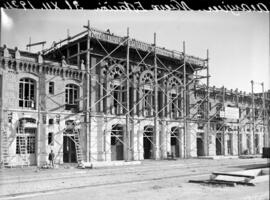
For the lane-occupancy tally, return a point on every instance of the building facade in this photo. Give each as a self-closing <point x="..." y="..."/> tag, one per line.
<point x="102" y="97"/>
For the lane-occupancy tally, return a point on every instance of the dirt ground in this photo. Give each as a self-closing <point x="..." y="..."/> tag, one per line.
<point x="150" y="180"/>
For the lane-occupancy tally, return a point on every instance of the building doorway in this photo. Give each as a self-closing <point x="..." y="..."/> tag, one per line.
<point x="26" y="141"/>
<point x="248" y="151"/>
<point x="240" y="143"/>
<point x="229" y="144"/>
<point x="117" y="142"/>
<point x="175" y="142"/>
<point x="219" y="144"/>
<point x="148" y="142"/>
<point x="69" y="149"/>
<point x="200" y="145"/>
<point x="257" y="150"/>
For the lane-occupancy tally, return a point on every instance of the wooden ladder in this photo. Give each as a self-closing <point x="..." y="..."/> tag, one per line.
<point x="79" y="153"/>
<point x="5" y="149"/>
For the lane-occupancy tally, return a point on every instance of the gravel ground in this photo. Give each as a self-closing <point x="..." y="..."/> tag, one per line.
<point x="150" y="180"/>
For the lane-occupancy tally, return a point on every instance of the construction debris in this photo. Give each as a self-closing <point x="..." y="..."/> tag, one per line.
<point x="247" y="177"/>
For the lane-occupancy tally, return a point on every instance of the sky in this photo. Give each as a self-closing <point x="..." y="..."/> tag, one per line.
<point x="238" y="44"/>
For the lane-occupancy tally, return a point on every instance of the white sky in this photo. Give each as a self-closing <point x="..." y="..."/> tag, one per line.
<point x="238" y="45"/>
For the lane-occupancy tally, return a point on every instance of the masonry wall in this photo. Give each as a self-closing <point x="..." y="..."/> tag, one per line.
<point x="52" y="107"/>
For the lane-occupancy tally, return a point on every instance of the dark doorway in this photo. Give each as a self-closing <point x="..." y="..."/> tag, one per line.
<point x="175" y="142"/>
<point x="229" y="145"/>
<point x="248" y="144"/>
<point x="200" y="147"/>
<point x="219" y="144"/>
<point x="117" y="146"/>
<point x="257" y="144"/>
<point x="240" y="144"/>
<point x="148" y="142"/>
<point x="69" y="150"/>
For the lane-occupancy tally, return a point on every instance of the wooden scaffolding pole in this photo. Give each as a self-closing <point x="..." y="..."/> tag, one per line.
<point x="156" y="124"/>
<point x="253" y="116"/>
<point x="1" y="107"/>
<point x="223" y="131"/>
<point x="265" y="118"/>
<point x="185" y="102"/>
<point x="207" y="107"/>
<point x="87" y="110"/>
<point x="128" y="157"/>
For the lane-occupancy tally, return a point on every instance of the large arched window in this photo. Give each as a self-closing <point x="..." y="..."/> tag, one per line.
<point x="147" y="80"/>
<point x="27" y="93"/>
<point x="72" y="96"/>
<point x="118" y="92"/>
<point x="174" y="89"/>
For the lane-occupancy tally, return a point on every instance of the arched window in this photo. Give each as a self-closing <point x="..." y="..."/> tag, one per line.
<point x="118" y="92"/>
<point x="72" y="96"/>
<point x="26" y="136"/>
<point x="27" y="93"/>
<point x="147" y="80"/>
<point x="119" y="99"/>
<point x="174" y="89"/>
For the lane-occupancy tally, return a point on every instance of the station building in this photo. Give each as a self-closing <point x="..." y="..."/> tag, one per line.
<point x="102" y="97"/>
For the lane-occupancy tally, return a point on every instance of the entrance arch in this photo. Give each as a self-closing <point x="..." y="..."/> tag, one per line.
<point x="176" y="142"/>
<point x="148" y="142"/>
<point x="117" y="142"/>
<point x="200" y="144"/>
<point x="219" y="144"/>
<point x="69" y="146"/>
<point x="26" y="140"/>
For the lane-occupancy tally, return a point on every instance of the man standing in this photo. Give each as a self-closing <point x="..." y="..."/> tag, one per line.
<point x="51" y="159"/>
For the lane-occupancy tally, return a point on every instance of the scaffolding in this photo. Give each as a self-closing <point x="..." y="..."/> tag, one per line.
<point x="175" y="97"/>
<point x="150" y="57"/>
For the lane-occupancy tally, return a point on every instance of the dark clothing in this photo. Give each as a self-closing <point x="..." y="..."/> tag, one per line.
<point x="51" y="156"/>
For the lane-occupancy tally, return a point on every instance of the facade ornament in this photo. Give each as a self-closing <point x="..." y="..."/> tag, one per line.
<point x="63" y="63"/>
<point x="82" y="65"/>
<point x="17" y="53"/>
<point x="40" y="58"/>
<point x="6" y="53"/>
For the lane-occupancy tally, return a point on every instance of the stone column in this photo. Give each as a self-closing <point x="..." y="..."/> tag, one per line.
<point x="108" y="98"/>
<point x="100" y="87"/>
<point x="193" y="139"/>
<point x="235" y="143"/>
<point x="107" y="141"/>
<point x="163" y="140"/>
<point x="140" y="111"/>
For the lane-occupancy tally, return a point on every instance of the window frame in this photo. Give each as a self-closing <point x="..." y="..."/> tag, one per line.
<point x="72" y="93"/>
<point x="51" y="87"/>
<point x="27" y="93"/>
